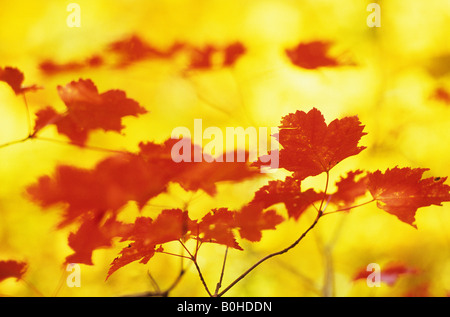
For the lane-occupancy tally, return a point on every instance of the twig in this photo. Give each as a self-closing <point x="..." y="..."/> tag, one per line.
<point x="316" y="220"/>
<point x="219" y="284"/>
<point x="194" y="260"/>
<point x="271" y="256"/>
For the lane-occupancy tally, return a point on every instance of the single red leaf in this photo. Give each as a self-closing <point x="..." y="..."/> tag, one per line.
<point x="217" y="227"/>
<point x="12" y="268"/>
<point x="110" y="185"/>
<point x="311" y="55"/>
<point x="232" y="53"/>
<point x="441" y="94"/>
<point x="202" y="58"/>
<point x="202" y="175"/>
<point x="401" y="191"/>
<point x="388" y="274"/>
<point x="89" y="110"/>
<point x="310" y="146"/>
<point x="252" y="220"/>
<point x="134" y="49"/>
<point x="14" y="78"/>
<point x="146" y="234"/>
<point x="92" y="235"/>
<point x="350" y="188"/>
<point x="289" y="193"/>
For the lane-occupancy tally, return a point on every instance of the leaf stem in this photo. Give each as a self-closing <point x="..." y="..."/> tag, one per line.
<point x="30" y="131"/>
<point x="348" y="208"/>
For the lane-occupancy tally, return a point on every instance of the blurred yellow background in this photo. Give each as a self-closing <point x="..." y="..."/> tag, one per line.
<point x="396" y="70"/>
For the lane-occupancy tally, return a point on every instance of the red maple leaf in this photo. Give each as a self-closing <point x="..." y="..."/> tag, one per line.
<point x="401" y="191"/>
<point x="193" y="175"/>
<point x="232" y="53"/>
<point x="121" y="178"/>
<point x="202" y="58"/>
<point x="311" y="55"/>
<point x="289" y="193"/>
<point x="14" y="78"/>
<point x="134" y="49"/>
<point x="388" y="274"/>
<point x="87" y="110"/>
<point x="350" y="188"/>
<point x="92" y="235"/>
<point x="310" y="146"/>
<point x="107" y="187"/>
<point x="442" y="95"/>
<point x="12" y="268"/>
<point x="252" y="220"/>
<point x="217" y="227"/>
<point x="146" y="234"/>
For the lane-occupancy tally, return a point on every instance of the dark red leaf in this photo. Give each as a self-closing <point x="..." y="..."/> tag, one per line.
<point x="311" y="55"/>
<point x="12" y="268"/>
<point x="14" y="78"/>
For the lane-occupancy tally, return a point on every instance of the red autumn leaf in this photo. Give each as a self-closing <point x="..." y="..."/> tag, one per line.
<point x="87" y="110"/>
<point x="49" y="67"/>
<point x="202" y="175"/>
<point x="310" y="146"/>
<point x="311" y="55"/>
<point x="217" y="227"/>
<point x="202" y="58"/>
<point x="134" y="49"/>
<point x="14" y="78"/>
<point x="289" y="193"/>
<point x="252" y="220"/>
<point x="12" y="268"/>
<point x="107" y="187"/>
<point x="121" y="178"/>
<point x="146" y="234"/>
<point x="92" y="235"/>
<point x="232" y="53"/>
<point x="349" y="188"/>
<point x="401" y="191"/>
<point x="441" y="94"/>
<point x="388" y="274"/>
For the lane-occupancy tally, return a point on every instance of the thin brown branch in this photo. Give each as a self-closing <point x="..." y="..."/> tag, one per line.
<point x="219" y="284"/>
<point x="271" y="256"/>
<point x="316" y="220"/>
<point x="194" y="260"/>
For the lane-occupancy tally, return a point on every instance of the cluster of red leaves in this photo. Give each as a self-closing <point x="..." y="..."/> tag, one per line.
<point x="309" y="147"/>
<point x="133" y="49"/>
<point x="94" y="197"/>
<point x="127" y="51"/>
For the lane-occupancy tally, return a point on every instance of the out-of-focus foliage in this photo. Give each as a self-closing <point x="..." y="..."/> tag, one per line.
<point x="395" y="78"/>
